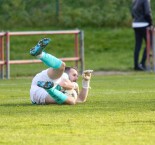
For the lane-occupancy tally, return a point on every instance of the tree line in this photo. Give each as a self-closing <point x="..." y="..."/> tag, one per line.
<point x="66" y="13"/>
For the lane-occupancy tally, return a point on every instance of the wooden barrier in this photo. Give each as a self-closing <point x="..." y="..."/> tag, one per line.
<point x="150" y="49"/>
<point x="2" y="62"/>
<point x="78" y="43"/>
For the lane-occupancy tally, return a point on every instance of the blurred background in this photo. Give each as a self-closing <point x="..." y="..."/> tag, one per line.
<point x="108" y="36"/>
<point x="65" y="13"/>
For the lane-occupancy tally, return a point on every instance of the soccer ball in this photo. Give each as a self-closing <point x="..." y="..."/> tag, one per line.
<point x="71" y="93"/>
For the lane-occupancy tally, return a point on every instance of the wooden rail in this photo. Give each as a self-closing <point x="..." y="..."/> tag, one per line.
<point x="150" y="49"/>
<point x="78" y="43"/>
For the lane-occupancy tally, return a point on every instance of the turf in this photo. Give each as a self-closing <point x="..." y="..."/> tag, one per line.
<point x="120" y="110"/>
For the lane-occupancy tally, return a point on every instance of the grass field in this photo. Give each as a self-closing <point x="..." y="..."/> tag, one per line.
<point x="120" y="110"/>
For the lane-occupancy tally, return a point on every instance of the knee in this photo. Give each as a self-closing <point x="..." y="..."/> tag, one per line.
<point x="63" y="66"/>
<point x="56" y="73"/>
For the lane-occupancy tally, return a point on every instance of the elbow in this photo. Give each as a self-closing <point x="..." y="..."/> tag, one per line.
<point x="71" y="103"/>
<point x="80" y="100"/>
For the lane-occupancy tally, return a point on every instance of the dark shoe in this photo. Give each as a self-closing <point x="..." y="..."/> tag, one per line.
<point x="140" y="67"/>
<point x="143" y="66"/>
<point x="44" y="42"/>
<point x="45" y="85"/>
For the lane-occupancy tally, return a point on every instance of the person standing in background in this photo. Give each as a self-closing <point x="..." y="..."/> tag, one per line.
<point x="142" y="18"/>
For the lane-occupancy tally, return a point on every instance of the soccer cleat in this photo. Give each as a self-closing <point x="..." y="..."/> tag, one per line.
<point x="39" y="47"/>
<point x="45" y="85"/>
<point x="44" y="42"/>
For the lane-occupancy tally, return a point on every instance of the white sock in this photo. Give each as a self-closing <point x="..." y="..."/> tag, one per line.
<point x="85" y="84"/>
<point x="39" y="56"/>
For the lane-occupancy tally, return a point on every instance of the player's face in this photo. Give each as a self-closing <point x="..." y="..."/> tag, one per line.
<point x="73" y="75"/>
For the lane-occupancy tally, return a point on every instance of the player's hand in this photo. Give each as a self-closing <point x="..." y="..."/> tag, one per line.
<point x="87" y="75"/>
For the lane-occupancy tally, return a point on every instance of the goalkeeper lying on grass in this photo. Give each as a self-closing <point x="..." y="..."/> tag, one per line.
<point x="57" y="84"/>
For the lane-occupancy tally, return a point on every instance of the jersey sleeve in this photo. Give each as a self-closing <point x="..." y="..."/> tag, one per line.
<point x="65" y="76"/>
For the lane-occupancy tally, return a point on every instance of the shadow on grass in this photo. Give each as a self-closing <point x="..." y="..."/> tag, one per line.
<point x="16" y="105"/>
<point x="94" y="106"/>
<point x="140" y="122"/>
<point x="117" y="105"/>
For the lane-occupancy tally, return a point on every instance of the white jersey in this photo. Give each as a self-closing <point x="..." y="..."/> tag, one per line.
<point x="37" y="94"/>
<point x="43" y="76"/>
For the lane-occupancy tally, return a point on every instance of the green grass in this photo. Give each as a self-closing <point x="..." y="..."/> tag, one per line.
<point x="120" y="110"/>
<point x="105" y="49"/>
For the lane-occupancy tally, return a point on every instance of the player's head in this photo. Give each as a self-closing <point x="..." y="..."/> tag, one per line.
<point x="72" y="73"/>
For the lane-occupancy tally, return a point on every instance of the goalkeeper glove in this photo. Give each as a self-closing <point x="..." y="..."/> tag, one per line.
<point x="86" y="76"/>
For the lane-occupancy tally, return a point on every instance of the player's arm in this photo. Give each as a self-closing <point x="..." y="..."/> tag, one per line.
<point x="86" y="76"/>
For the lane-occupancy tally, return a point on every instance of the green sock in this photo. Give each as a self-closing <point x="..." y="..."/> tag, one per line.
<point x="50" y="60"/>
<point x="58" y="87"/>
<point x="58" y="96"/>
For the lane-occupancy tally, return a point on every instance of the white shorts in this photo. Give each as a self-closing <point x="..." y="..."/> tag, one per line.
<point x="38" y="95"/>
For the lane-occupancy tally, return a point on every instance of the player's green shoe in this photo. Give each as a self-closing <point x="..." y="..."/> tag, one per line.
<point x="39" y="47"/>
<point x="45" y="85"/>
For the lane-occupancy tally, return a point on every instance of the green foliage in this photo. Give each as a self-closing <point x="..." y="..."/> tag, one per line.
<point x="69" y="13"/>
<point x="99" y="13"/>
<point x="119" y="110"/>
<point x="26" y="13"/>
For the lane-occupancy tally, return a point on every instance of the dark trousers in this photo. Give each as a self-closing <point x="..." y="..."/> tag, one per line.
<point x="140" y="35"/>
